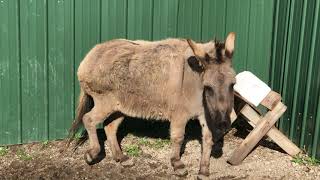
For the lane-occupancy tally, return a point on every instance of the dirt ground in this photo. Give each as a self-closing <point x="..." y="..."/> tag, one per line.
<point x="149" y="149"/>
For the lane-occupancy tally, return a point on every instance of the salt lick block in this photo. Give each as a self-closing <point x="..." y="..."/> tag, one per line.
<point x="251" y="87"/>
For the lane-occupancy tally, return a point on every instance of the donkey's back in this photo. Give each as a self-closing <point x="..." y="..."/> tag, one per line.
<point x="118" y="62"/>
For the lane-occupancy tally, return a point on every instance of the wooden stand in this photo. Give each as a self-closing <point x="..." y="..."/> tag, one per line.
<point x="263" y="125"/>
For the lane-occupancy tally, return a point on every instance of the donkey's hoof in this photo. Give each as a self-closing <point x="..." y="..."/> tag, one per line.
<point x="178" y="168"/>
<point x="204" y="172"/>
<point x="202" y="177"/>
<point x="182" y="172"/>
<point x="88" y="158"/>
<point x="121" y="158"/>
<point x="128" y="163"/>
<point x="177" y="164"/>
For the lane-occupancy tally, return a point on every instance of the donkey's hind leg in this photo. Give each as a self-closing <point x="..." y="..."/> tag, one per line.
<point x="90" y="120"/>
<point x="111" y="132"/>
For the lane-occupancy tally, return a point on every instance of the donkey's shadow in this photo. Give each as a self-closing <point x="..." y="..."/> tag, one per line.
<point x="154" y="129"/>
<point x="160" y="129"/>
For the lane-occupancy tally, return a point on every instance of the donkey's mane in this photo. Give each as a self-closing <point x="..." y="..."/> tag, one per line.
<point x="219" y="45"/>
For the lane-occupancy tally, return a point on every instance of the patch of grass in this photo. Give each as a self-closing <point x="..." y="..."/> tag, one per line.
<point x="132" y="150"/>
<point x="144" y="142"/>
<point x="78" y="136"/>
<point x="161" y="143"/>
<point x="3" y="151"/>
<point x="305" y="160"/>
<point x="157" y="144"/>
<point x="22" y="155"/>
<point x="45" y="143"/>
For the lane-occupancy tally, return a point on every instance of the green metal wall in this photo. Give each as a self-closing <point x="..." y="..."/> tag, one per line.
<point x="43" y="41"/>
<point x="295" y="70"/>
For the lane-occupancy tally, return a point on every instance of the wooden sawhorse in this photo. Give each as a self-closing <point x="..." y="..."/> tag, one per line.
<point x="263" y="125"/>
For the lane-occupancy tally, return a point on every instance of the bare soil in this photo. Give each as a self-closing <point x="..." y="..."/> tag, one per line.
<point x="52" y="161"/>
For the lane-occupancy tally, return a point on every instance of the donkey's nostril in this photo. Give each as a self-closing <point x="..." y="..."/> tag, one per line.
<point x="221" y="98"/>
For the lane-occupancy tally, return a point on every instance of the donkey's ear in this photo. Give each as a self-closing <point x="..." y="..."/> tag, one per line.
<point x="198" y="52"/>
<point x="229" y="44"/>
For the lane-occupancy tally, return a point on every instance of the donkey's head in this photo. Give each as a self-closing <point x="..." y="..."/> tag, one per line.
<point x="218" y="78"/>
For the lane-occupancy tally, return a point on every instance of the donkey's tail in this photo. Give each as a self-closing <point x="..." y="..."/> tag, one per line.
<point x="85" y="104"/>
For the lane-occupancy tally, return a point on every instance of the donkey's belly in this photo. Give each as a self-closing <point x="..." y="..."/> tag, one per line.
<point x="143" y="106"/>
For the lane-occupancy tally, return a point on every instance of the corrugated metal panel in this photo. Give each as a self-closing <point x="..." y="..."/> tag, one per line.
<point x="189" y="19"/>
<point x="60" y="67"/>
<point x="34" y="74"/>
<point x="139" y="24"/>
<point x="214" y="19"/>
<point x="252" y="21"/>
<point x="43" y="42"/>
<point x="113" y="19"/>
<point x="295" y="70"/>
<point x="87" y="31"/>
<point x="10" y="97"/>
<point x="164" y="19"/>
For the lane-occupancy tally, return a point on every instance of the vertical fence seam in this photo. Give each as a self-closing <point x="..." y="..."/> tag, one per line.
<point x="248" y="36"/>
<point x="47" y="66"/>
<point x="177" y="17"/>
<point x="201" y="20"/>
<point x="127" y="14"/>
<point x="152" y="16"/>
<point x="100" y="21"/>
<point x="20" y="74"/>
<point x="274" y="43"/>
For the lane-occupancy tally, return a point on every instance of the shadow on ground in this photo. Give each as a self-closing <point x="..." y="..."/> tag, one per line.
<point x="161" y="129"/>
<point x="243" y="130"/>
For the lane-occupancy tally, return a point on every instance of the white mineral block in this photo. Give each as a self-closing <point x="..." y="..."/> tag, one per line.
<point x="251" y="88"/>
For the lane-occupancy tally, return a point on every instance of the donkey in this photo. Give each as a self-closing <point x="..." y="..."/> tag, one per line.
<point x="173" y="79"/>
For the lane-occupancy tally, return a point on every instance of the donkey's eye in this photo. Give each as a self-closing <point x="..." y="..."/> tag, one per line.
<point x="231" y="86"/>
<point x="208" y="90"/>
<point x="207" y="58"/>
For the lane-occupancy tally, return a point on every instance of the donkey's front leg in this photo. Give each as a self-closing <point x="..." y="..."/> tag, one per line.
<point x="177" y="130"/>
<point x="206" y="147"/>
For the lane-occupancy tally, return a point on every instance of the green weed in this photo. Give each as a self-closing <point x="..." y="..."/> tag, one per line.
<point x="3" y="151"/>
<point x="161" y="143"/>
<point x="144" y="142"/>
<point x="132" y="150"/>
<point x="78" y="136"/>
<point x="156" y="144"/>
<point x="22" y="155"/>
<point x="305" y="160"/>
<point x="45" y="143"/>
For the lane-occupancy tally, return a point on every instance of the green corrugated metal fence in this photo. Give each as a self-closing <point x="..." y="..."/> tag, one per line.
<point x="43" y="41"/>
<point x="295" y="70"/>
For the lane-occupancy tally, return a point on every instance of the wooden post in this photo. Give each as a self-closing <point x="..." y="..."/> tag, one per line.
<point x="257" y="133"/>
<point x="254" y="118"/>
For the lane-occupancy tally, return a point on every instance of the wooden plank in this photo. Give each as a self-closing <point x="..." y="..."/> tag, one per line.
<point x="233" y="116"/>
<point x="245" y="101"/>
<point x="257" y="133"/>
<point x="254" y="118"/>
<point x="271" y="100"/>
